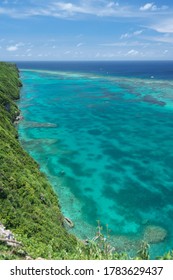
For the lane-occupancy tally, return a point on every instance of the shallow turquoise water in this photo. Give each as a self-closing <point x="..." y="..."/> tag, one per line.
<point x="106" y="145"/>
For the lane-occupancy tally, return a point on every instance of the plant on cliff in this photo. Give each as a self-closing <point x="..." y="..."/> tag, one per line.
<point x="28" y="205"/>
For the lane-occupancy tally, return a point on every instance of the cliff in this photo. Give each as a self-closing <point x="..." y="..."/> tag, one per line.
<point x="28" y="205"/>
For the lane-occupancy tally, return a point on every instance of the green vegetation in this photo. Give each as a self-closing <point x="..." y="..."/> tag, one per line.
<point x="28" y="204"/>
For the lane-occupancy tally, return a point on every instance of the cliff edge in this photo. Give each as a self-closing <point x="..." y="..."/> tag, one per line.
<point x="28" y="205"/>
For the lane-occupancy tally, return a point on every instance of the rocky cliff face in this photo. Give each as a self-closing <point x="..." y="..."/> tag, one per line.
<point x="35" y="222"/>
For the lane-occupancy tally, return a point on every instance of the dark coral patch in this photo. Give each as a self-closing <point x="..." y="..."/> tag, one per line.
<point x="150" y="99"/>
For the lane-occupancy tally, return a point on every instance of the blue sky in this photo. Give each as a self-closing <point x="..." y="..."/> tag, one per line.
<point x="86" y="30"/>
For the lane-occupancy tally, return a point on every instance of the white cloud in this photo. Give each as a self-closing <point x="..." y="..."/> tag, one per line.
<point x="13" y="13"/>
<point x="71" y="9"/>
<point x="125" y="36"/>
<point x="79" y="9"/>
<point x="147" y="7"/>
<point x="12" y="48"/>
<point x="82" y="8"/>
<point x="79" y="45"/>
<point x="67" y="52"/>
<point x="28" y="50"/>
<point x="126" y="44"/>
<point x="152" y="7"/>
<point x="162" y="39"/>
<point x="97" y="8"/>
<point x="163" y="26"/>
<point x="15" y="47"/>
<point x="129" y="35"/>
<point x="138" y="32"/>
<point x="132" y="52"/>
<point x="63" y="9"/>
<point x="112" y="4"/>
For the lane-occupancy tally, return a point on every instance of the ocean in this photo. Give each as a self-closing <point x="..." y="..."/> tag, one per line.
<point x="102" y="132"/>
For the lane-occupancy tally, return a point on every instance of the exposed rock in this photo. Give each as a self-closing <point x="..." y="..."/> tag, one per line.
<point x="18" y="119"/>
<point x="8" y="237"/>
<point x="28" y="258"/>
<point x="68" y="222"/>
<point x="154" y="234"/>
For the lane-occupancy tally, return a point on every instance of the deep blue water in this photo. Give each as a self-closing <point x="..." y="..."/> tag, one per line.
<point x="103" y="134"/>
<point x="158" y="69"/>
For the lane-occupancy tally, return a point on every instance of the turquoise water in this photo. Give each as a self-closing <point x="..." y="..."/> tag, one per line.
<point x="106" y="145"/>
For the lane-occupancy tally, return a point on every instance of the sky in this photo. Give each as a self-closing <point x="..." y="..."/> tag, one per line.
<point x="86" y="30"/>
